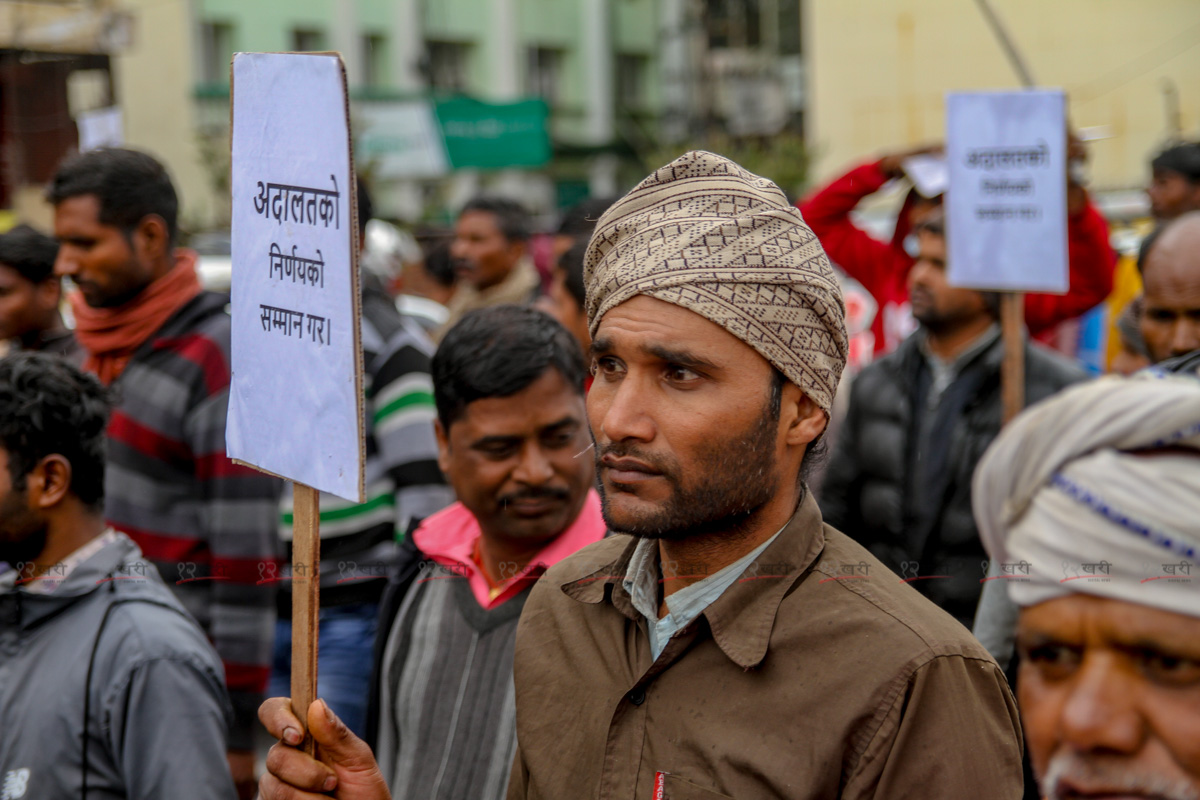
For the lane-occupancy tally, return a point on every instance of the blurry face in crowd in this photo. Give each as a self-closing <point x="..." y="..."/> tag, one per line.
<point x="482" y="254"/>
<point x="515" y="462"/>
<point x="935" y="303"/>
<point x="561" y="304"/>
<point x="1172" y="194"/>
<point x="25" y="307"/>
<point x="689" y="437"/>
<point x="1128" y="360"/>
<point x="22" y="532"/>
<point x="920" y="208"/>
<point x="109" y="267"/>
<point x="1110" y="697"/>
<point x="1171" y="274"/>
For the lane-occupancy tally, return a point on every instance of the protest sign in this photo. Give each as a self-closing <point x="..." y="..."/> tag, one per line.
<point x="296" y="398"/>
<point x="1006" y="204"/>
<point x="295" y="407"/>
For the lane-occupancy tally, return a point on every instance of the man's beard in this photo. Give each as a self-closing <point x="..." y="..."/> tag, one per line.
<point x="1109" y="773"/>
<point x="22" y="535"/>
<point x="736" y="478"/>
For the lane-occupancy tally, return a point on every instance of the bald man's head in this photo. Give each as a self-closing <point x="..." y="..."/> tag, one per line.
<point x="1171" y="273"/>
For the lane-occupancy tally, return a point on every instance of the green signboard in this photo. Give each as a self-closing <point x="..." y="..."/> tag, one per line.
<point x="494" y="135"/>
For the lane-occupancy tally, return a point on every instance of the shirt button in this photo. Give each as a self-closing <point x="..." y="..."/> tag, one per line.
<point x="637" y="696"/>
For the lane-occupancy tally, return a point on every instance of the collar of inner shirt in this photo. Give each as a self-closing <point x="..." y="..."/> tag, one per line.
<point x="644" y="575"/>
<point x="945" y="371"/>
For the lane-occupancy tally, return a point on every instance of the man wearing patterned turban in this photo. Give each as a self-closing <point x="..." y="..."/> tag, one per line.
<point x="1089" y="504"/>
<point x="724" y="642"/>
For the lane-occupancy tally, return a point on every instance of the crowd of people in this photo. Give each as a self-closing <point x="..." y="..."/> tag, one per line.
<point x="620" y="538"/>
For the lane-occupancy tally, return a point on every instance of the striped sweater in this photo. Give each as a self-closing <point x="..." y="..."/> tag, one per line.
<point x="441" y="712"/>
<point x="207" y="524"/>
<point x="447" y="709"/>
<point x="403" y="483"/>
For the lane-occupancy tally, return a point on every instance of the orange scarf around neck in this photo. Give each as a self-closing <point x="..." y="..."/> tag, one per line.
<point x="112" y="335"/>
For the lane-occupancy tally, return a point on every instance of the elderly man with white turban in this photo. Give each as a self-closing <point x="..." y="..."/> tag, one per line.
<point x="1089" y="505"/>
<point x="725" y="642"/>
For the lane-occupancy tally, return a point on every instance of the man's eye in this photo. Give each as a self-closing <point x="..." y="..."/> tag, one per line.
<point x="605" y="365"/>
<point x="1054" y="658"/>
<point x="561" y="439"/>
<point x="680" y="374"/>
<point x="1160" y="315"/>
<point x="1167" y="668"/>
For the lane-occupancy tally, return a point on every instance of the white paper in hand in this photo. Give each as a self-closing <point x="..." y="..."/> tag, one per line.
<point x="1006" y="207"/>
<point x="928" y="173"/>
<point x="295" y="406"/>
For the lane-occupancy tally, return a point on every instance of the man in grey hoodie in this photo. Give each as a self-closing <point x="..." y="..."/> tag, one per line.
<point x="108" y="689"/>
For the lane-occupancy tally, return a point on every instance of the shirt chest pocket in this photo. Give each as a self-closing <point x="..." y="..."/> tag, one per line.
<point x="675" y="788"/>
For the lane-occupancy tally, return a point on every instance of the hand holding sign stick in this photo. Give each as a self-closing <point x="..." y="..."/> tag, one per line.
<point x="296" y="400"/>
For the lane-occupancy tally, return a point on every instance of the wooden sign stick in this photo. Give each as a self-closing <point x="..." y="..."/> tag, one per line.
<point x="306" y="603"/>
<point x="1012" y="370"/>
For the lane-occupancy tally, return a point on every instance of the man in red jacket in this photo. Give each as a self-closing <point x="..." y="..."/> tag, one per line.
<point x="882" y="268"/>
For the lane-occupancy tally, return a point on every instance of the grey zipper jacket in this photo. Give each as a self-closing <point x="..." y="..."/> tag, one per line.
<point x="110" y="649"/>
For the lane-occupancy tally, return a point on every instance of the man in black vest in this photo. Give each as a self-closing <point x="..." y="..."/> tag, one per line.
<point x="919" y="420"/>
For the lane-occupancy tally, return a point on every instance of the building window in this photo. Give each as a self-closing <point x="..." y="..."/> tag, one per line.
<point x="307" y="40"/>
<point x="446" y="66"/>
<point x="542" y="72"/>
<point x="733" y="23"/>
<point x="790" y="40"/>
<point x="216" y="50"/>
<point x="631" y="80"/>
<point x="374" y="60"/>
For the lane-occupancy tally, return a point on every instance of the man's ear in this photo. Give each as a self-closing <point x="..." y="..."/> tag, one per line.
<point x="48" y="293"/>
<point x="443" y="443"/>
<point x="805" y="419"/>
<point x="49" y="482"/>
<point x="150" y="238"/>
<point x="516" y="249"/>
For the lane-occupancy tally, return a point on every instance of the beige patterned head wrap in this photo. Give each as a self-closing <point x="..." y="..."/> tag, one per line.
<point x="707" y="235"/>
<point x="1097" y="490"/>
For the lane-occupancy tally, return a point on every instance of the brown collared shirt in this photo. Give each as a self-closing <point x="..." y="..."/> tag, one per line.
<point x="818" y="674"/>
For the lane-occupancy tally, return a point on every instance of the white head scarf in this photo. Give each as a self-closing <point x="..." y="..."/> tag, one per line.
<point x="1065" y="502"/>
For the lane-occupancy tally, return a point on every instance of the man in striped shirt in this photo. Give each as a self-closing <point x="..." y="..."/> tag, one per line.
<point x="513" y="442"/>
<point x="162" y="342"/>
<point x="360" y="542"/>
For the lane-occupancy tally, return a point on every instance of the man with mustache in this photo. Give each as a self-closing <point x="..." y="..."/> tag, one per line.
<point x="726" y="643"/>
<point x="513" y="444"/>
<point x="919" y="420"/>
<point x="1089" y="505"/>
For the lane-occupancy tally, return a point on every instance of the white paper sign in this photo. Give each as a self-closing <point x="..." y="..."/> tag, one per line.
<point x="295" y="406"/>
<point x="1006" y="206"/>
<point x="103" y="127"/>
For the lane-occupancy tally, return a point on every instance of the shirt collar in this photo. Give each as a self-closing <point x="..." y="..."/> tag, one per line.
<point x="58" y="573"/>
<point x="956" y="363"/>
<point x="449" y="537"/>
<point x="742" y="618"/>
<point x="685" y="604"/>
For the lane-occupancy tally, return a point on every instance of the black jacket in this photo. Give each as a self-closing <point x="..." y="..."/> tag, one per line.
<point x="869" y="489"/>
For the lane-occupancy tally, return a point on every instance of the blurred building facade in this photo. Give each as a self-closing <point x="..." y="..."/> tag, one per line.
<point x="591" y="64"/>
<point x="54" y="67"/>
<point x="878" y="73"/>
